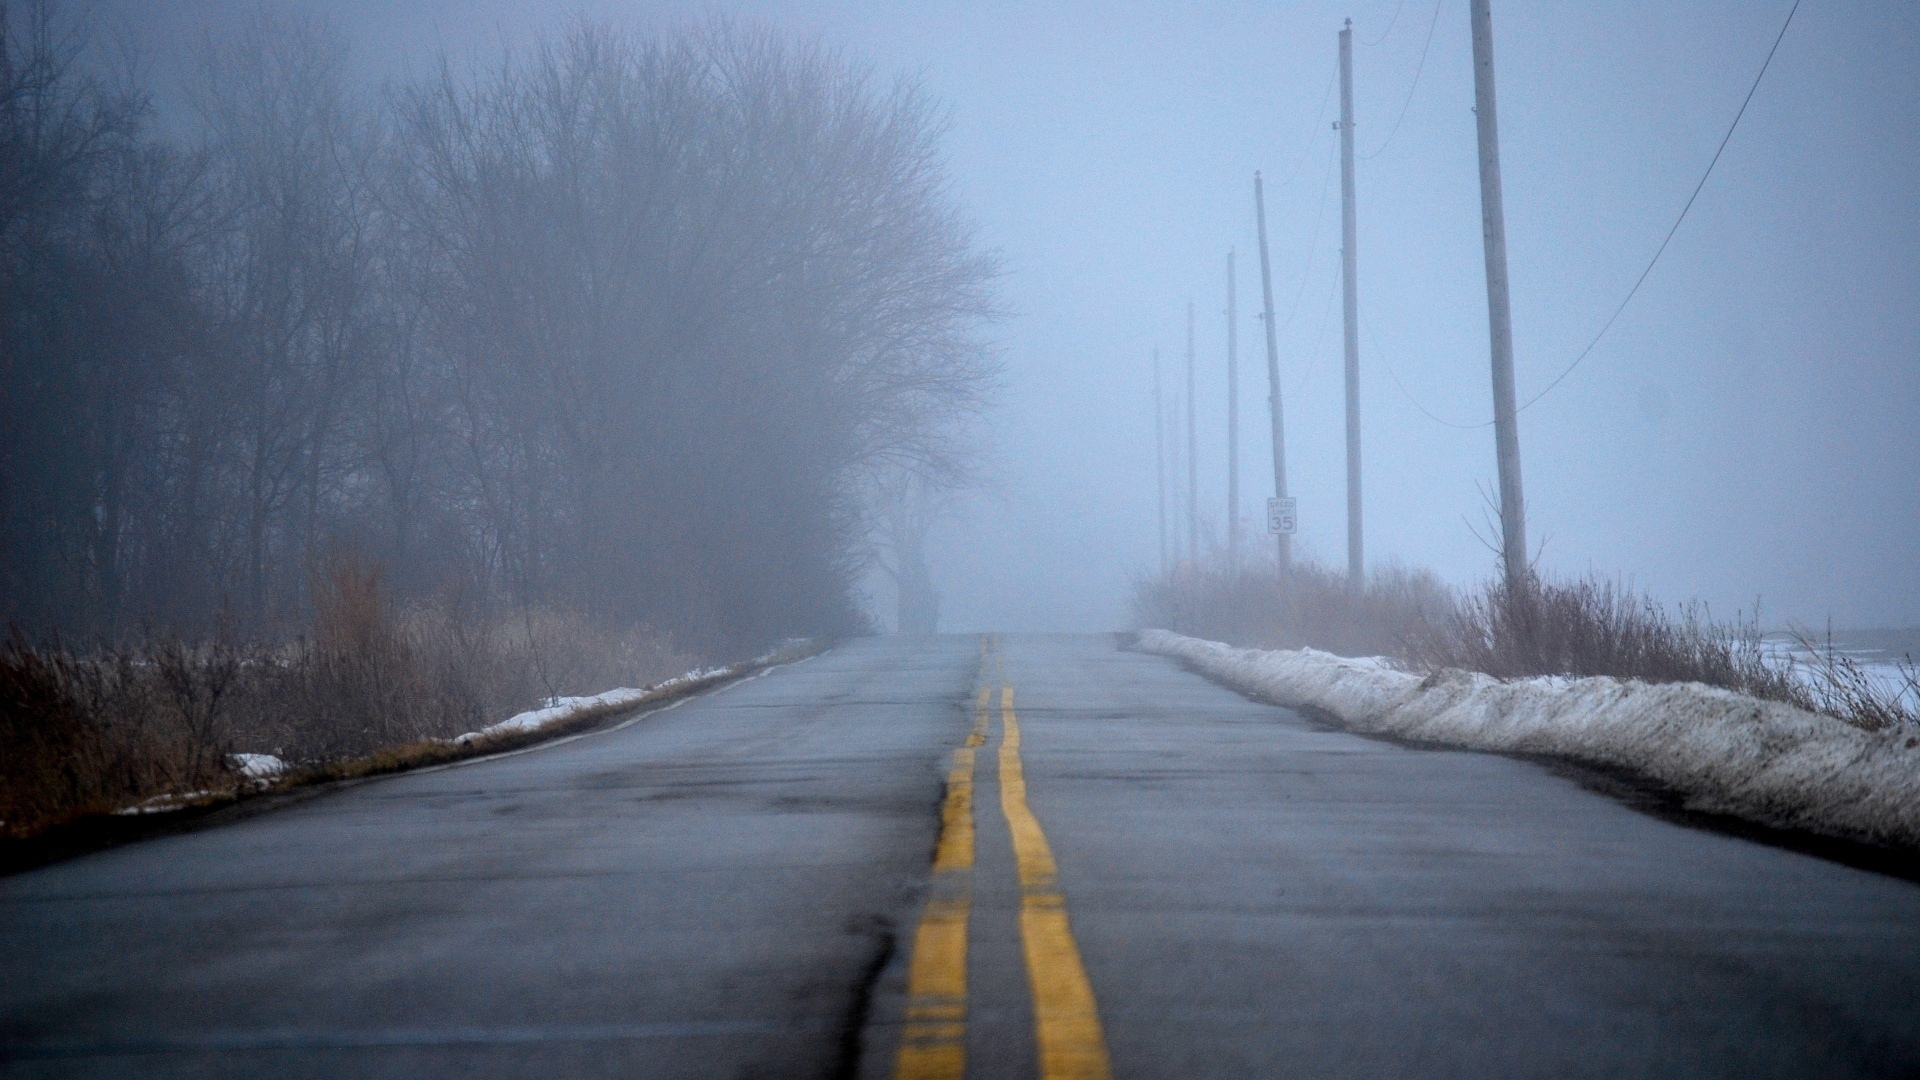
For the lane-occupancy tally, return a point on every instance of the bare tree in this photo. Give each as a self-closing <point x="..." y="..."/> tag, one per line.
<point x="83" y="272"/>
<point x="906" y="507"/>
<point x="292" y="274"/>
<point x="627" y="324"/>
<point x="696" y="289"/>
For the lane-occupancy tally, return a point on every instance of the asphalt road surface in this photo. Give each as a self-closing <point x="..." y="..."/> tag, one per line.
<point x="1010" y="857"/>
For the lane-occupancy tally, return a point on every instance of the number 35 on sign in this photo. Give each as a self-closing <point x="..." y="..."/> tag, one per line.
<point x="1283" y="516"/>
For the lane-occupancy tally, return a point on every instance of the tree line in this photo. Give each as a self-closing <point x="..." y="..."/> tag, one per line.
<point x="631" y="325"/>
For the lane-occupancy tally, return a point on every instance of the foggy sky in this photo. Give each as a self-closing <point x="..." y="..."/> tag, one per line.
<point x="1747" y="429"/>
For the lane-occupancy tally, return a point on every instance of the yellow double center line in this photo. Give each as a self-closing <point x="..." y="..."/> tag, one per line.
<point x="934" y="1044"/>
<point x="1066" y="1021"/>
<point x="1066" y="1018"/>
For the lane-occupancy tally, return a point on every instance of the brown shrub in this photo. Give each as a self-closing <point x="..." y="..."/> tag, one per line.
<point x="1592" y="626"/>
<point x="1308" y="606"/>
<point x="45" y="742"/>
<point x="1838" y="685"/>
<point x="90" y="734"/>
<point x="97" y="732"/>
<point x="1587" y="626"/>
<point x="374" y="676"/>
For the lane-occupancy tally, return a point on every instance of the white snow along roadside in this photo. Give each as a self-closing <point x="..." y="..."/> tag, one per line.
<point x="566" y="708"/>
<point x="627" y="697"/>
<point x="1723" y="752"/>
<point x="261" y="770"/>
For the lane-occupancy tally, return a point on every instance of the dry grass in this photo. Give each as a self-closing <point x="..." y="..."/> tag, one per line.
<point x="1581" y="627"/>
<point x="89" y="735"/>
<point x="1591" y="626"/>
<point x="1309" y="606"/>
<point x="372" y="677"/>
<point x="372" y="689"/>
<point x="1838" y="685"/>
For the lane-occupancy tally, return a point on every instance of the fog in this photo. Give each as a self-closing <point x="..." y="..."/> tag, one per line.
<point x="1745" y="430"/>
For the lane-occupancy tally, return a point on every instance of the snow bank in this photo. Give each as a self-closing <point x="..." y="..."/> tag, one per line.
<point x="1723" y="752"/>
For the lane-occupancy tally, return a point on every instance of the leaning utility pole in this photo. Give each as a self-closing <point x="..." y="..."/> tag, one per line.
<point x="1233" y="425"/>
<point x="1356" y="557"/>
<point x="1273" y="369"/>
<point x="1193" y="456"/>
<point x="1493" y="230"/>
<point x="1160" y="457"/>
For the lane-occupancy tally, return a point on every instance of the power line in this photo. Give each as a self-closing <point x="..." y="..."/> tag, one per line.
<point x="1608" y="325"/>
<point x="1319" y="336"/>
<point x="1431" y="25"/>
<point x="1313" y="244"/>
<point x="1391" y="23"/>
<point x="1683" y="212"/>
<point x="1313" y="139"/>
<point x="1387" y="359"/>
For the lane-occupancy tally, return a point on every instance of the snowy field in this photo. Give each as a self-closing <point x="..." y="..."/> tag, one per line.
<point x="1880" y="655"/>
<point x="1722" y="752"/>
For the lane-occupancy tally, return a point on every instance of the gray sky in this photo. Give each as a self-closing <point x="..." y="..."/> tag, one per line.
<point x="1747" y="429"/>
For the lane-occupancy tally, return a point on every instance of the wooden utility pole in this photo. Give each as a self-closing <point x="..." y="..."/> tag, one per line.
<point x="1233" y="425"/>
<point x="1193" y="455"/>
<point x="1493" y="230"/>
<point x="1356" y="555"/>
<point x="1160" y="458"/>
<point x="1273" y="368"/>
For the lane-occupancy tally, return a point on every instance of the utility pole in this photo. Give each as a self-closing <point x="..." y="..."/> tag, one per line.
<point x="1273" y="369"/>
<point x="1233" y="426"/>
<point x="1160" y="457"/>
<point x="1356" y="555"/>
<point x="1493" y="230"/>
<point x="1193" y="456"/>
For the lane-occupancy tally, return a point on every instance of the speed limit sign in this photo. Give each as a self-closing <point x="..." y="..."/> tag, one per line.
<point x="1283" y="516"/>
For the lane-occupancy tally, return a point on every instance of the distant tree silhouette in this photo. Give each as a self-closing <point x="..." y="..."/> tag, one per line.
<point x="626" y="324"/>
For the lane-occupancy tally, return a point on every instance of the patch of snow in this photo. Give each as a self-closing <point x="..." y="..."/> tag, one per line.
<point x="257" y="766"/>
<point x="566" y="708"/>
<point x="1723" y="752"/>
<point x="696" y="675"/>
<point x="161" y="804"/>
<point x="556" y="709"/>
<point x="261" y="769"/>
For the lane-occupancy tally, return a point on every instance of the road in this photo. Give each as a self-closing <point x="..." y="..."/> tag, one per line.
<point x="1018" y="856"/>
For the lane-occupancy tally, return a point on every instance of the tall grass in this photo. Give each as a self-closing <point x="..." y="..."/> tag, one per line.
<point x="90" y="734"/>
<point x="1838" y="685"/>
<point x="1307" y="606"/>
<point x="1578" y="627"/>
<point x="99" y="730"/>
<point x="1592" y="626"/>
